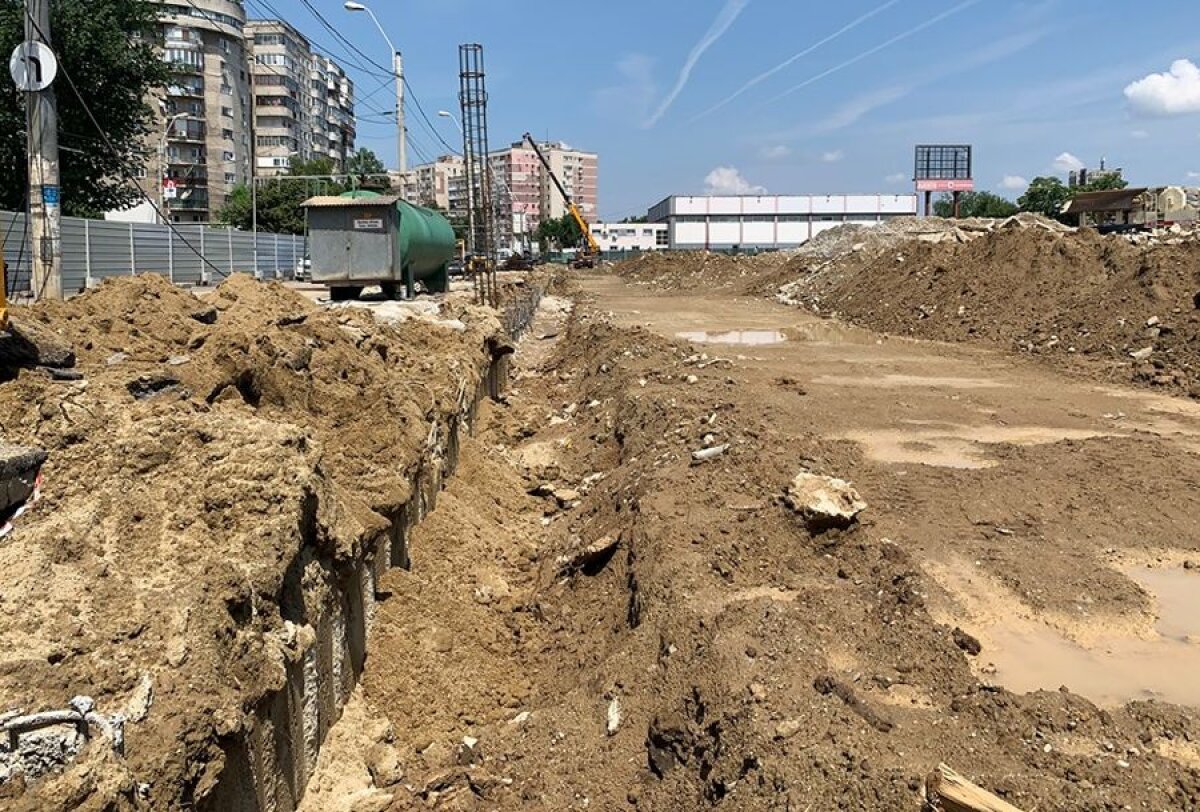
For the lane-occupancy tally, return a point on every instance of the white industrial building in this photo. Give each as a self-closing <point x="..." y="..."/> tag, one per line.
<point x="769" y="221"/>
<point x="631" y="236"/>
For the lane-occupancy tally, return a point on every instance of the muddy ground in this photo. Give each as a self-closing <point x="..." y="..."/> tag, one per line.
<point x="594" y="619"/>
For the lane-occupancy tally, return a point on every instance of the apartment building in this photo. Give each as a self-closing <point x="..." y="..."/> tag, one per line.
<point x="203" y="146"/>
<point x="441" y="184"/>
<point x="240" y="88"/>
<point x="303" y="101"/>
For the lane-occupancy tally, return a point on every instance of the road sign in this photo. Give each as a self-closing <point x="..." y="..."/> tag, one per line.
<point x="33" y="66"/>
<point x="170" y="189"/>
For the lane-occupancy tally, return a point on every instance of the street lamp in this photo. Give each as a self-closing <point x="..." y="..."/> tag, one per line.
<point x="162" y="157"/>
<point x="398" y="70"/>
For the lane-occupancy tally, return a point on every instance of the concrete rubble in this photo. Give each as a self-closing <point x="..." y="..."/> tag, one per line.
<point x="824" y="502"/>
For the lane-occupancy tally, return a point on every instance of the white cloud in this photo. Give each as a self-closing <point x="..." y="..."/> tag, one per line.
<point x="726" y="18"/>
<point x="1014" y="182"/>
<point x="1193" y="175"/>
<point x="775" y="153"/>
<point x="726" y="180"/>
<point x="1066" y="162"/>
<point x="634" y="94"/>
<point x="1174" y="93"/>
<point x="833" y="156"/>
<point x="897" y="177"/>
<point x="1139" y="134"/>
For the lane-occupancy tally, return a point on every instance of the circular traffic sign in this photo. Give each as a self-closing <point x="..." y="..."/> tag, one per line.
<point x="33" y="66"/>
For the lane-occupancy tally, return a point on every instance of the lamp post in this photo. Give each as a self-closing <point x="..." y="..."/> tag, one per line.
<point x="398" y="70"/>
<point x="162" y="157"/>
<point x="470" y="189"/>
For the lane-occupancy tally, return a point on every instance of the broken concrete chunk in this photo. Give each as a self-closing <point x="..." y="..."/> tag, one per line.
<point x="1142" y="354"/>
<point x="705" y="454"/>
<point x="823" y="501"/>
<point x="591" y="559"/>
<point x="207" y="315"/>
<point x="613" y="717"/>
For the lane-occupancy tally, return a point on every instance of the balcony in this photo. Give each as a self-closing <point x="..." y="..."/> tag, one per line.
<point x="186" y="90"/>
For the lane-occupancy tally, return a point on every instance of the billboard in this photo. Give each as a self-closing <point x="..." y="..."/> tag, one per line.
<point x="943" y="168"/>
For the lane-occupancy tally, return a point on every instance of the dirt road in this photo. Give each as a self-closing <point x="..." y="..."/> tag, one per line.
<point x="597" y="618"/>
<point x="1048" y="512"/>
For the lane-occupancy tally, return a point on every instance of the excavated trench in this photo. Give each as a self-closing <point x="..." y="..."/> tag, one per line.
<point x="330" y="606"/>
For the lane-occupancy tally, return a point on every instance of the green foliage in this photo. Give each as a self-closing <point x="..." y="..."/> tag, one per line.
<point x="1045" y="195"/>
<point x="97" y="42"/>
<point x="563" y="233"/>
<point x="364" y="162"/>
<point x="1103" y="183"/>
<point x="279" y="199"/>
<point x="975" y="204"/>
<point x="641" y="219"/>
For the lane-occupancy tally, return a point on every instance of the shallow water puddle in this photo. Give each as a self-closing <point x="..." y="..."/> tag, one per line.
<point x="955" y="446"/>
<point x="1024" y="654"/>
<point x="895" y="381"/>
<point x="749" y="337"/>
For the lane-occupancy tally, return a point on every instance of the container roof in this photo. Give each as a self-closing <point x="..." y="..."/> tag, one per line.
<point x="331" y="201"/>
<point x="1110" y="200"/>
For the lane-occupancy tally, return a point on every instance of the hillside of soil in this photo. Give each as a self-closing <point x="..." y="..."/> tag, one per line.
<point x="597" y="619"/>
<point x="208" y="446"/>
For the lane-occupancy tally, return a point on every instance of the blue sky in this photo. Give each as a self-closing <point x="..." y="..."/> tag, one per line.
<point x="793" y="96"/>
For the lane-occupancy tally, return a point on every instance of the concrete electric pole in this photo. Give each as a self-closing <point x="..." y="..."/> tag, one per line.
<point x="45" y="196"/>
<point x="398" y="69"/>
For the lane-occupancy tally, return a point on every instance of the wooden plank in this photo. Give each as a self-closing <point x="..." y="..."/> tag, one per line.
<point x="948" y="791"/>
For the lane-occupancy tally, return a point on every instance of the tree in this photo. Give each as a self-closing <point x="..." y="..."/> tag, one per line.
<point x="280" y="199"/>
<point x="1103" y="183"/>
<point x="975" y="204"/>
<point x="364" y="162"/>
<point x="108" y="49"/>
<point x="563" y="232"/>
<point x="1045" y="195"/>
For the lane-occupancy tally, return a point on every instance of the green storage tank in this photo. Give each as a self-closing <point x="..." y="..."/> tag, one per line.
<point x="359" y="239"/>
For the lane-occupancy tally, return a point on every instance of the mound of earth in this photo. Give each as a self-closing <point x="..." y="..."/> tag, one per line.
<point x="210" y="445"/>
<point x="1119" y="309"/>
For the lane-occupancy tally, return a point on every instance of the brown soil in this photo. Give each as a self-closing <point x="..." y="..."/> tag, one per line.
<point x="1081" y="299"/>
<point x="208" y="443"/>
<point x="669" y="635"/>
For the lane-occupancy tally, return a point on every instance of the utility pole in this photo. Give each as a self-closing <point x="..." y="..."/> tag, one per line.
<point x="45" y="209"/>
<point x="398" y="67"/>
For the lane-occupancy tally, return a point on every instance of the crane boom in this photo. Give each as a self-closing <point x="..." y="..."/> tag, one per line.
<point x="593" y="247"/>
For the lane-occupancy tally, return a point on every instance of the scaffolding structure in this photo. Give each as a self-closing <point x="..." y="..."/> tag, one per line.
<point x="481" y="214"/>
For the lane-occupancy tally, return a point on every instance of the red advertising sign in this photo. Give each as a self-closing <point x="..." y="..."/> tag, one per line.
<point x="945" y="185"/>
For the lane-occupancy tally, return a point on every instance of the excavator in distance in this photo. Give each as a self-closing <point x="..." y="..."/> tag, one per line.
<point x="589" y="252"/>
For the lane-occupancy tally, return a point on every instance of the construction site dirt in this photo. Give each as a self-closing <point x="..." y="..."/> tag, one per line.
<point x="708" y="550"/>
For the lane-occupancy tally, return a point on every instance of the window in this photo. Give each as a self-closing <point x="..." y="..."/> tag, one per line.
<point x="662" y="238"/>
<point x="227" y="156"/>
<point x="227" y="112"/>
<point x="227" y="135"/>
<point x="230" y="177"/>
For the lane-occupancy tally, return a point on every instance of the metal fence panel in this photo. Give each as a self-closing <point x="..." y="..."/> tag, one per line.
<point x="152" y="249"/>
<point x="96" y="249"/>
<point x="75" y="259"/>
<point x="243" y="252"/>
<point x="111" y="249"/>
<point x="187" y="245"/>
<point x="16" y="251"/>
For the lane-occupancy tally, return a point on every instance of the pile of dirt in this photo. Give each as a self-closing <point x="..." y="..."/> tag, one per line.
<point x="607" y="619"/>
<point x="1121" y="311"/>
<point x="690" y="270"/>
<point x="210" y="445"/>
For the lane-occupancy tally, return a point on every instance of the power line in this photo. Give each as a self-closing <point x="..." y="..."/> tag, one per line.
<point x="425" y="118"/>
<point x="113" y="149"/>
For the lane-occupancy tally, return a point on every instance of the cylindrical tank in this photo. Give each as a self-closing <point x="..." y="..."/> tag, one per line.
<point x="427" y="240"/>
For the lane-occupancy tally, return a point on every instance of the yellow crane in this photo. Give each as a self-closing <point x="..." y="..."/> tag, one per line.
<point x="590" y="254"/>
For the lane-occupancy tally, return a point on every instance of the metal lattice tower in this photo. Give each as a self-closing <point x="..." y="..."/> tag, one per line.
<point x="481" y="220"/>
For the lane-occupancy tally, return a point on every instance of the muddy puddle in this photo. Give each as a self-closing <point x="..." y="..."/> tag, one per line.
<point x="897" y="381"/>
<point x="746" y="337"/>
<point x="955" y="446"/>
<point x="1112" y="666"/>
